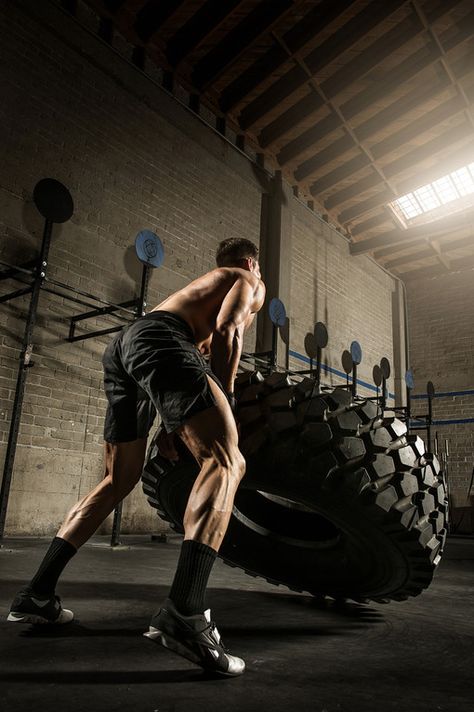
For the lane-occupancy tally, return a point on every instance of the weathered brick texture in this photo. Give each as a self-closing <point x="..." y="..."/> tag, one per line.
<point x="132" y="159"/>
<point x="441" y="321"/>
<point x="351" y="295"/>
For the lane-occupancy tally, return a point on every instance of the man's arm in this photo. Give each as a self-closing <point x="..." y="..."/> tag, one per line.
<point x="245" y="296"/>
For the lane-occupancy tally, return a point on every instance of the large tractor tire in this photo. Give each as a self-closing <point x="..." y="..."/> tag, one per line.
<point x="337" y="500"/>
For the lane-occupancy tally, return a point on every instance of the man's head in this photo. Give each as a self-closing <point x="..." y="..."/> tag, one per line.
<point x="238" y="252"/>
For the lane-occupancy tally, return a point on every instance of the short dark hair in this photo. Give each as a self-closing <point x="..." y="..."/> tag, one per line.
<point x="234" y="249"/>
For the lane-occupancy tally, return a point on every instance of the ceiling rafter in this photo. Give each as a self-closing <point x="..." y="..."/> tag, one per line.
<point x="448" y="109"/>
<point x="344" y="38"/>
<point x="259" y="21"/>
<point x="385" y="117"/>
<point x="397" y="237"/>
<point x="350" y="135"/>
<point x="468" y="23"/>
<point x="449" y="246"/>
<point x="200" y="26"/>
<point x="412" y="67"/>
<point x="296" y="38"/>
<point x="459" y="265"/>
<point x="153" y="15"/>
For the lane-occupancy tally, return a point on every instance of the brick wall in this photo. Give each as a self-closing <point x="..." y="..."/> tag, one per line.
<point x="441" y="321"/>
<point x="351" y="295"/>
<point x="132" y="158"/>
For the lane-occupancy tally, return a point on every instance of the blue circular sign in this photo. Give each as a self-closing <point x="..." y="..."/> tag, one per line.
<point x="277" y="312"/>
<point x="149" y="248"/>
<point x="356" y="352"/>
<point x="409" y="380"/>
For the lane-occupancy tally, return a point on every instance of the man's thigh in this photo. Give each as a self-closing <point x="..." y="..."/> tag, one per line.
<point x="212" y="432"/>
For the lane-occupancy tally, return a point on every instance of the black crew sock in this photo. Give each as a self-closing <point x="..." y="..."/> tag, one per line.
<point x="188" y="590"/>
<point x="44" y="581"/>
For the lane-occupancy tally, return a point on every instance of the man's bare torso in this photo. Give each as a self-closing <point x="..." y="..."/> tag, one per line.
<point x="200" y="301"/>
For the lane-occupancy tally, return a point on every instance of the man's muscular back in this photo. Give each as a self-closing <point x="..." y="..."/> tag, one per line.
<point x="219" y="306"/>
<point x="202" y="303"/>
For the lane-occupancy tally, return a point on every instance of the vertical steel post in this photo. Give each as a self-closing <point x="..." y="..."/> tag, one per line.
<point x="141" y="304"/>
<point x="143" y="290"/>
<point x="273" y="357"/>
<point x="430" y="422"/>
<point x="115" y="541"/>
<point x="24" y="364"/>
<point x="354" y="381"/>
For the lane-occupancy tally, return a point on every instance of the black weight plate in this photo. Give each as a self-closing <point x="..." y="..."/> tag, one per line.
<point x="385" y="367"/>
<point x="149" y="248"/>
<point x="53" y="200"/>
<point x="356" y="352"/>
<point x="310" y="345"/>
<point x="277" y="312"/>
<point x="321" y="335"/>
<point x="377" y="375"/>
<point x="347" y="362"/>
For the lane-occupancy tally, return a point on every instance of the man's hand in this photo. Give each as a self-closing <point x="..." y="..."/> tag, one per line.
<point x="166" y="445"/>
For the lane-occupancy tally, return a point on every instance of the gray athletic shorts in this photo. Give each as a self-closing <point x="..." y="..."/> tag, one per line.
<point x="154" y="365"/>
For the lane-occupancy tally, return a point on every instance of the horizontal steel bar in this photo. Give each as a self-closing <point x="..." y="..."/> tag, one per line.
<point x="92" y="334"/>
<point x="88" y="295"/>
<point x="14" y="295"/>
<point x="101" y="311"/>
<point x="17" y="268"/>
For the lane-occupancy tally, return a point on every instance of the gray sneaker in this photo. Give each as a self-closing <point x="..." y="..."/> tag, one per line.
<point x="28" y="608"/>
<point x="195" y="638"/>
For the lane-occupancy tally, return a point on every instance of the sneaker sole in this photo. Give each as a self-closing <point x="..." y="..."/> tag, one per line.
<point x="64" y="617"/>
<point x="170" y="643"/>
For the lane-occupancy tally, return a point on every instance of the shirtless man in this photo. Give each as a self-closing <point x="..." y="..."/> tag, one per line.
<point x="157" y="363"/>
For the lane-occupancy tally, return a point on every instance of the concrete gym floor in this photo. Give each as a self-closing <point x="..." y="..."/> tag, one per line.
<point x="416" y="655"/>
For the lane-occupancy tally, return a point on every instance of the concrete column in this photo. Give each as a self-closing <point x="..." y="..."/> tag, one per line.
<point x="275" y="257"/>
<point x="400" y="345"/>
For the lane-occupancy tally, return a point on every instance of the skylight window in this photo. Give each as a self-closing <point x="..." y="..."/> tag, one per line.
<point x="463" y="181"/>
<point x="428" y="203"/>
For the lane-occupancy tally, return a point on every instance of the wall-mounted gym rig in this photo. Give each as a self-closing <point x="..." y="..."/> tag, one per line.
<point x="55" y="204"/>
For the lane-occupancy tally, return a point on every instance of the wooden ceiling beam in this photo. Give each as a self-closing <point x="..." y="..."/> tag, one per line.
<point x="427" y="150"/>
<point x="383" y="118"/>
<point x="431" y="119"/>
<point x="414" y="157"/>
<point x="455" y="160"/>
<point x="113" y="5"/>
<point x="305" y="140"/>
<point x="292" y="117"/>
<point x="352" y="191"/>
<point x="259" y="21"/>
<point x="406" y="259"/>
<point x="365" y="206"/>
<point x="369" y="224"/>
<point x="153" y="15"/>
<point x="315" y="163"/>
<point x="448" y="246"/>
<point x="203" y="23"/>
<point x="349" y="34"/>
<point x="339" y="173"/>
<point x="451" y="107"/>
<point x="402" y="72"/>
<point x="459" y="265"/>
<point x="398" y="237"/>
<point x="397" y="109"/>
<point x="296" y="38"/>
<point x="373" y="55"/>
<point x="427" y="55"/>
